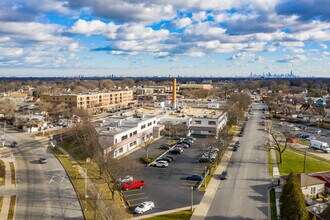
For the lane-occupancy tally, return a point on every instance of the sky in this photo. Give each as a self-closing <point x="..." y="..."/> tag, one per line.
<point x="202" y="38"/>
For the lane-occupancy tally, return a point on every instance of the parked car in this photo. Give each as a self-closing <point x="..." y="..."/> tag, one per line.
<point x="237" y="143"/>
<point x="134" y="184"/>
<point x="235" y="148"/>
<point x="170" y="157"/>
<point x="14" y="144"/>
<point x="184" y="145"/>
<point x="164" y="147"/>
<point x="175" y="151"/>
<point x="125" y="179"/>
<point x="195" y="177"/>
<point x="205" y="160"/>
<point x="160" y="163"/>
<point x="311" y="138"/>
<point x="185" y="142"/>
<point x="179" y="148"/>
<point x="317" y="131"/>
<point x="188" y="141"/>
<point x="224" y="175"/>
<point x="42" y="160"/>
<point x="191" y="138"/>
<point x="143" y="207"/>
<point x="168" y="160"/>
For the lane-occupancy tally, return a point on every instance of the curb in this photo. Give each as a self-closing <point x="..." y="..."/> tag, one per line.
<point x="188" y="208"/>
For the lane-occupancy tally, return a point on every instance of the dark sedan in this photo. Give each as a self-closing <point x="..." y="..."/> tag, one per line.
<point x="195" y="177"/>
<point x="224" y="175"/>
<point x="175" y="151"/>
<point x="164" y="147"/>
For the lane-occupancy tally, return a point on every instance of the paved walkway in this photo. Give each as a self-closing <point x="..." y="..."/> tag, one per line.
<point x="203" y="207"/>
<point x="7" y="190"/>
<point x="276" y="177"/>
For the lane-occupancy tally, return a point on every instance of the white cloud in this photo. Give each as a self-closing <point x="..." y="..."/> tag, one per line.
<point x="182" y="22"/>
<point x="292" y="59"/>
<point x="200" y="16"/>
<point x="324" y="46"/>
<point x="93" y="27"/>
<point x="241" y="56"/>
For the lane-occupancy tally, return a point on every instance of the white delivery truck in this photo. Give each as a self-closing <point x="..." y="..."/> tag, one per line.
<point x="319" y="145"/>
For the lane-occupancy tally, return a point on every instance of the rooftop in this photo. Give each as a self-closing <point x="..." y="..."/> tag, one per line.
<point x="307" y="180"/>
<point x="116" y="124"/>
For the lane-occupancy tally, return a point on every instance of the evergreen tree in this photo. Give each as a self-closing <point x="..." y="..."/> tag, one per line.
<point x="292" y="200"/>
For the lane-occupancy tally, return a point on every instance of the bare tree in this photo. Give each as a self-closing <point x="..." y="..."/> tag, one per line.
<point x="278" y="141"/>
<point x="45" y="107"/>
<point x="8" y="109"/>
<point x="146" y="144"/>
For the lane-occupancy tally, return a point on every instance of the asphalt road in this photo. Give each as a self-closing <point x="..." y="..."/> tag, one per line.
<point x="244" y="195"/>
<point x="43" y="190"/>
<point x="167" y="187"/>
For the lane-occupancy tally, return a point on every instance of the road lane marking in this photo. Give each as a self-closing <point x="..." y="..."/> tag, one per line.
<point x="51" y="180"/>
<point x="64" y="178"/>
<point x="141" y="198"/>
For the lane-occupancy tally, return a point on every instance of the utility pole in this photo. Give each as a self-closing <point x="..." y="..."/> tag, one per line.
<point x="304" y="162"/>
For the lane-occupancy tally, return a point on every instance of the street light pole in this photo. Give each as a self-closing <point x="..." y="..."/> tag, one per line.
<point x="86" y="188"/>
<point x="192" y="198"/>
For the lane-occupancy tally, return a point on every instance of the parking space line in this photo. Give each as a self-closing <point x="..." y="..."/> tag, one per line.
<point x="189" y="184"/>
<point x="131" y="190"/>
<point x="181" y="187"/>
<point x="135" y="204"/>
<point x="129" y="200"/>
<point x="135" y="194"/>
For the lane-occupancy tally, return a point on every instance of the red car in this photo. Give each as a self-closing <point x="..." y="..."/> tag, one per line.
<point x="134" y="184"/>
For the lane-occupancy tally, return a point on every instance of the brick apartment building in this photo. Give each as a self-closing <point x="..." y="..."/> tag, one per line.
<point x="97" y="101"/>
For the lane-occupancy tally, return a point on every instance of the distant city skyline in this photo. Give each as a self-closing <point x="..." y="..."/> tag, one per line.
<point x="146" y="38"/>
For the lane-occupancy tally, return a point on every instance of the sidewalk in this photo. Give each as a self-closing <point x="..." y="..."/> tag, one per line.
<point x="7" y="190"/>
<point x="276" y="176"/>
<point x="203" y="207"/>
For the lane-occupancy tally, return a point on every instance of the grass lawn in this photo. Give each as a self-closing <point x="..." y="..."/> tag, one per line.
<point x="311" y="155"/>
<point x="2" y="173"/>
<point x="1" y="201"/>
<point x="12" y="205"/>
<point x="94" y="175"/>
<point x="272" y="198"/>
<point x="13" y="172"/>
<point x="270" y="163"/>
<point x="208" y="177"/>
<point x="295" y="162"/>
<point x="183" y="215"/>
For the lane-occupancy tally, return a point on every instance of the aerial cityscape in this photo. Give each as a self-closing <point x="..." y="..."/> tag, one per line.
<point x="164" y="110"/>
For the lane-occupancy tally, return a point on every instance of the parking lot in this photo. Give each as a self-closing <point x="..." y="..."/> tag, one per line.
<point x="167" y="187"/>
<point x="324" y="134"/>
<point x="292" y="128"/>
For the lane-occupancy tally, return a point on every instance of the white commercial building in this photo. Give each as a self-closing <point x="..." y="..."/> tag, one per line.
<point x="119" y="135"/>
<point x="199" y="121"/>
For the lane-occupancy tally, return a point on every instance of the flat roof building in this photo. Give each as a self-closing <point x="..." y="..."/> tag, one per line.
<point x="92" y="100"/>
<point x="119" y="135"/>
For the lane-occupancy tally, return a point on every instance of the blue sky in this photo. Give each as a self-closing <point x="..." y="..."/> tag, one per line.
<point x="164" y="37"/>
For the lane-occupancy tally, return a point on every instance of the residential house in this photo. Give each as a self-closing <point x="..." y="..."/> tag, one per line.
<point x="310" y="185"/>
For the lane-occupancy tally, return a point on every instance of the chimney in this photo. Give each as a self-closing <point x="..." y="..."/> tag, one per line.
<point x="174" y="94"/>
